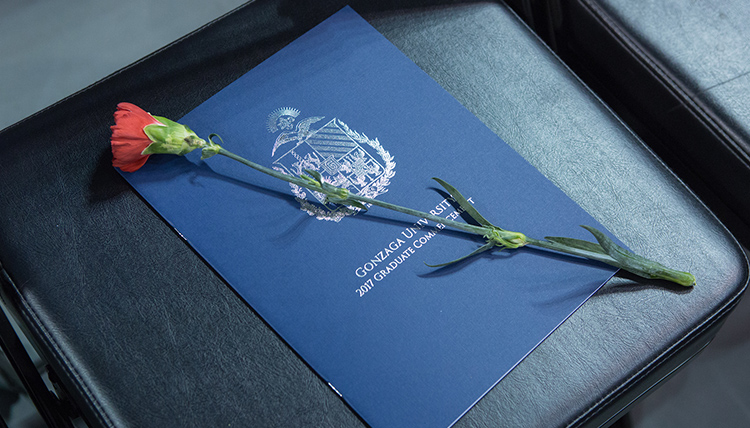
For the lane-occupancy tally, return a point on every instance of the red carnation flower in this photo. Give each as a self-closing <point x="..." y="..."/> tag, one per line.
<point x="128" y="138"/>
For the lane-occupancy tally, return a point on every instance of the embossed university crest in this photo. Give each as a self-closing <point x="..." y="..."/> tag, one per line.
<point x="344" y="157"/>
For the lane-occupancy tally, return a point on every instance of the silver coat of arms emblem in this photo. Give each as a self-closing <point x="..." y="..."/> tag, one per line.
<point x="344" y="157"/>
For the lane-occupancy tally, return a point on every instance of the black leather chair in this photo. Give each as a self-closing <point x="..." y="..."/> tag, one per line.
<point x="138" y="331"/>
<point x="676" y="71"/>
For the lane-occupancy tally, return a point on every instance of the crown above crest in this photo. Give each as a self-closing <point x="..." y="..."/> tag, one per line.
<point x="281" y="118"/>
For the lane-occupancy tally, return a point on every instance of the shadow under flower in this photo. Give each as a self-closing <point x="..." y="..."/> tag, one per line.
<point x="626" y="282"/>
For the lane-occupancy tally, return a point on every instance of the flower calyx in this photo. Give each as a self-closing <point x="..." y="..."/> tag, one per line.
<point x="170" y="137"/>
<point x="505" y="238"/>
<point x="211" y="148"/>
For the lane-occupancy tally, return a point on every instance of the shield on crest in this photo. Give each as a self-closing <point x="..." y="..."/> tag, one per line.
<point x="343" y="157"/>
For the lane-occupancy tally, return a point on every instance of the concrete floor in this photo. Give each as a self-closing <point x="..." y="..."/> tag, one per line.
<point x="51" y="49"/>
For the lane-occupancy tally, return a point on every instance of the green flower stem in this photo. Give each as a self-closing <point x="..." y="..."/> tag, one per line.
<point x="478" y="230"/>
<point x="309" y="185"/>
<point x="574" y="251"/>
<point x="606" y="251"/>
<point x="632" y="263"/>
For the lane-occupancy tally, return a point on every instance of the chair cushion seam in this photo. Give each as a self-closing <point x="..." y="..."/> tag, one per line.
<point x="695" y="106"/>
<point x="61" y="356"/>
<point x="655" y="363"/>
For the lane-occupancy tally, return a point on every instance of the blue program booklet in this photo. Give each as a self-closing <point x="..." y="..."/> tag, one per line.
<point x="405" y="345"/>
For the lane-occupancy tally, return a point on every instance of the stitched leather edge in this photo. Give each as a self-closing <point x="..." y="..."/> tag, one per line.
<point x="658" y="362"/>
<point x="655" y="67"/>
<point x="39" y="330"/>
<point x="716" y="125"/>
<point x="26" y="311"/>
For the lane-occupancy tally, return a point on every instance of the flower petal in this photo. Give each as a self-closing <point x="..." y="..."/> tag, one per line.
<point x="128" y="139"/>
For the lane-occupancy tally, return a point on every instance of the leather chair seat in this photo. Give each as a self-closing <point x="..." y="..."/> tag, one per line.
<point x="141" y="332"/>
<point x="677" y="72"/>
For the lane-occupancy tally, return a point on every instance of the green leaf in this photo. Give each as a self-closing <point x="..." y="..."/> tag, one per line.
<point x="617" y="252"/>
<point x="483" y="248"/>
<point x="640" y="265"/>
<point x="464" y="203"/>
<point x="316" y="175"/>
<point x="346" y="201"/>
<point x="356" y="204"/>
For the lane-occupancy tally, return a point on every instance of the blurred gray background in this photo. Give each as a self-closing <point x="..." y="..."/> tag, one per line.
<point x="50" y="49"/>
